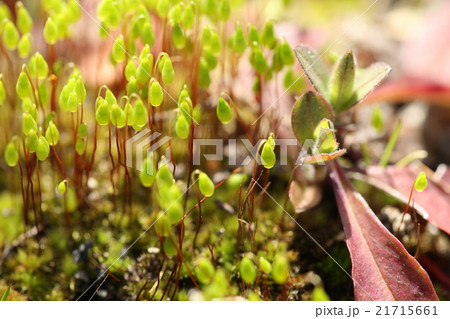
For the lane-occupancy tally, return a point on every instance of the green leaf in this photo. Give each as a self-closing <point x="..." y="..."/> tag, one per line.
<point x="368" y="79"/>
<point x="308" y="112"/>
<point x="341" y="83"/>
<point x="314" y="68"/>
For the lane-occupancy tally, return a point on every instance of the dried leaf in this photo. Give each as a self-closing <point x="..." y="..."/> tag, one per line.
<point x="382" y="269"/>
<point x="308" y="111"/>
<point x="314" y="68"/>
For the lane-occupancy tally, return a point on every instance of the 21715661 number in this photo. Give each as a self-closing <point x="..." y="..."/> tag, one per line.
<point x="406" y="310"/>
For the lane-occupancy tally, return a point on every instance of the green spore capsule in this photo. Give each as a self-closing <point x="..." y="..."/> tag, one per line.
<point x="235" y="180"/>
<point x="24" y="46"/>
<point x="2" y="92"/>
<point x="224" y="10"/>
<point x="80" y="146"/>
<point x="223" y="111"/>
<point x="62" y="188"/>
<point x="206" y="36"/>
<point x="31" y="141"/>
<point x="118" y="50"/>
<point x="205" y="184"/>
<point x="268" y="34"/>
<point x="52" y="134"/>
<point x="164" y="177"/>
<point x="140" y="113"/>
<point x="23" y="87"/>
<point x="421" y="182"/>
<point x="182" y="127"/>
<point x="110" y="98"/>
<point x="178" y="37"/>
<point x="130" y="70"/>
<point x="205" y="270"/>
<point x="167" y="72"/>
<point x="240" y="41"/>
<point x="80" y="89"/>
<point x="129" y="114"/>
<point x="216" y="43"/>
<point x="280" y="269"/>
<point x="144" y="69"/>
<point x="377" y="120"/>
<point x="268" y="157"/>
<point x="148" y="35"/>
<point x="247" y="269"/>
<point x="175" y="13"/>
<point x="287" y="54"/>
<point x="253" y="35"/>
<point x="162" y="8"/>
<point x="37" y="66"/>
<point x="72" y="102"/>
<point x="10" y="35"/>
<point x="117" y="116"/>
<point x="28" y="123"/>
<point x="156" y="93"/>
<point x="175" y="212"/>
<point x="188" y="17"/>
<point x="11" y="155"/>
<point x="265" y="265"/>
<point x="169" y="249"/>
<point x="24" y="21"/>
<point x="162" y="225"/>
<point x="319" y="294"/>
<point x="147" y="175"/>
<point x="132" y="86"/>
<point x="50" y="32"/>
<point x="259" y="61"/>
<point x="109" y="13"/>
<point x="102" y="113"/>
<point x="42" y="149"/>
<point x="82" y="130"/>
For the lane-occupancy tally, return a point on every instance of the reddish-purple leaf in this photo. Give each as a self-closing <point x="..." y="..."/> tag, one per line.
<point x="382" y="269"/>
<point x="433" y="204"/>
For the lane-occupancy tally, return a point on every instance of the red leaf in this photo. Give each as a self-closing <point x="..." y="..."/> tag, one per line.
<point x="382" y="269"/>
<point x="432" y="204"/>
